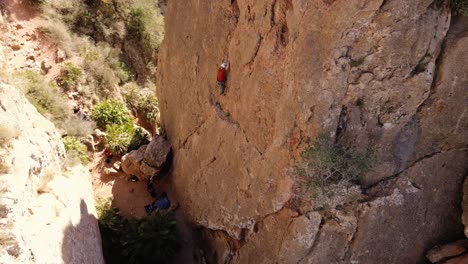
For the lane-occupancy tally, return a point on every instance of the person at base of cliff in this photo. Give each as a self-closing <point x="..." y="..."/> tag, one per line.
<point x="161" y="204"/>
<point x="108" y="156"/>
<point x="221" y="77"/>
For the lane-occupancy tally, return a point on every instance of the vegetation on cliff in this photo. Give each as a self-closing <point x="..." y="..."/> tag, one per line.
<point x="460" y="7"/>
<point x="330" y="170"/>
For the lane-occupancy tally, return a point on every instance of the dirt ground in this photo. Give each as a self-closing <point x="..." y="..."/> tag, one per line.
<point x="131" y="197"/>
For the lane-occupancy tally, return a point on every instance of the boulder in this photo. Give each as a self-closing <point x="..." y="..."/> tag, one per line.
<point x="117" y="165"/>
<point x="88" y="141"/>
<point x="146" y="161"/>
<point x="60" y="56"/>
<point x="147" y="170"/>
<point x="442" y="252"/>
<point x="157" y="151"/>
<point x="45" y="67"/>
<point x="110" y="172"/>
<point x="131" y="162"/>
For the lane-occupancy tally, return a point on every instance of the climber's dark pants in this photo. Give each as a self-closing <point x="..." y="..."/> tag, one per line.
<point x="221" y="86"/>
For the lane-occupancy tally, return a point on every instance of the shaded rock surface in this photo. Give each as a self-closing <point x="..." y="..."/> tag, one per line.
<point x="465" y="206"/>
<point x="50" y="215"/>
<point x="385" y="74"/>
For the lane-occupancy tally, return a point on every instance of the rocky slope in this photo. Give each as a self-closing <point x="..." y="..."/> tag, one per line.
<point x="386" y="74"/>
<point x="48" y="213"/>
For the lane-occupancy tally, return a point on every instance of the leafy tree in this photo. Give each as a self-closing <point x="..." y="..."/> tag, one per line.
<point x="124" y="138"/>
<point x="111" y="112"/>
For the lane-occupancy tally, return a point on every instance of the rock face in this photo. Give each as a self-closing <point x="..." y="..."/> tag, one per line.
<point x="385" y="74"/>
<point x="48" y="214"/>
<point x="465" y="206"/>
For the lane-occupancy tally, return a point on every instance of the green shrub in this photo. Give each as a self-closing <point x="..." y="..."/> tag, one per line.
<point x="328" y="165"/>
<point x="44" y="96"/>
<point x="69" y="76"/>
<point x="75" y="148"/>
<point x="136" y="27"/>
<point x="460" y="7"/>
<point x="103" y="68"/>
<point x="152" y="239"/>
<point x="139" y="138"/>
<point x="145" y="105"/>
<point x="118" y="138"/>
<point x="124" y="138"/>
<point x="146" y="24"/>
<point x="111" y="112"/>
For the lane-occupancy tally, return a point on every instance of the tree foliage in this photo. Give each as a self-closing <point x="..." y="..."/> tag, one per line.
<point x="111" y="112"/>
<point x="124" y="138"/>
<point x="152" y="239"/>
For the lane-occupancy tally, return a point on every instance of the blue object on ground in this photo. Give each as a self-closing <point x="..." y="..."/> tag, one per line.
<point x="162" y="203"/>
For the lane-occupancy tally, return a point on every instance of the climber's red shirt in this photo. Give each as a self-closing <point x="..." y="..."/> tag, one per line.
<point x="221" y="75"/>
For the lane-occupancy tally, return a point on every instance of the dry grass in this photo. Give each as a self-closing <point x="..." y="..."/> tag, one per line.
<point x="49" y="176"/>
<point x="4" y="168"/>
<point x="7" y="134"/>
<point x="45" y="96"/>
<point x="79" y="128"/>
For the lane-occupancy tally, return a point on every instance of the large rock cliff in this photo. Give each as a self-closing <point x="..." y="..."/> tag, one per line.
<point x="47" y="213"/>
<point x="386" y="74"/>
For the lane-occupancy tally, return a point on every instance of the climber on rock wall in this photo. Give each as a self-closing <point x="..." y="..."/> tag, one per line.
<point x="221" y="77"/>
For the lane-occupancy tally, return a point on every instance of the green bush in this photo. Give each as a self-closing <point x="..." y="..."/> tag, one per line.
<point x="139" y="138"/>
<point x="103" y="68"/>
<point x="145" y="105"/>
<point x="44" y="96"/>
<point x="152" y="239"/>
<point x="118" y="138"/>
<point x="327" y="164"/>
<point x="75" y="148"/>
<point x="146" y="24"/>
<point x="136" y="27"/>
<point x="111" y="112"/>
<point x="460" y="7"/>
<point x="69" y="76"/>
<point x="121" y="139"/>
